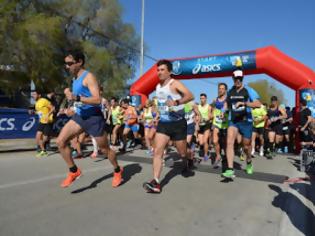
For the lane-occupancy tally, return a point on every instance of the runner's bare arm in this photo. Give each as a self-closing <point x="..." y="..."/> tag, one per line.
<point x="253" y="104"/>
<point x="187" y="96"/>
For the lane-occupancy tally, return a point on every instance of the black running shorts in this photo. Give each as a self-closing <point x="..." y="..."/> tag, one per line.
<point x="176" y="130"/>
<point x="46" y="129"/>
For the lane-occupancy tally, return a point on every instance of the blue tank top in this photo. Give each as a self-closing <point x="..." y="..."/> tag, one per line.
<point x="84" y="110"/>
<point x="218" y="104"/>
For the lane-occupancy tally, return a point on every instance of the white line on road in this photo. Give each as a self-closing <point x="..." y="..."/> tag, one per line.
<point x="33" y="181"/>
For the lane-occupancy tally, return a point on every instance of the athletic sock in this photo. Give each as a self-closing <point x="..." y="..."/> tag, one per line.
<point x="73" y="169"/>
<point x="117" y="169"/>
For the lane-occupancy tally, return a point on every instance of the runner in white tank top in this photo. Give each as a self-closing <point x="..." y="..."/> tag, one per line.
<point x="171" y="95"/>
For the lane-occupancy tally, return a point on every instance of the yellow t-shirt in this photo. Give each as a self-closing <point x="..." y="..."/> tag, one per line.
<point x="43" y="107"/>
<point x="259" y="113"/>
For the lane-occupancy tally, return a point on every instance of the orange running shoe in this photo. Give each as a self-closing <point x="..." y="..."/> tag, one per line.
<point x="71" y="178"/>
<point x="117" y="179"/>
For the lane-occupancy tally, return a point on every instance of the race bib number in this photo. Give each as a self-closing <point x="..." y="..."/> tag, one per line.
<point x="163" y="108"/>
<point x="77" y="105"/>
<point x="218" y="119"/>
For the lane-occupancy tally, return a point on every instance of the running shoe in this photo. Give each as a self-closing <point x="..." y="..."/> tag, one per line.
<point x="42" y="154"/>
<point x="261" y="152"/>
<point x="152" y="187"/>
<point x="71" y="178"/>
<point x="228" y="174"/>
<point x="268" y="155"/>
<point x="216" y="163"/>
<point x="149" y="152"/>
<point x="206" y="158"/>
<point x="249" y="169"/>
<point x="117" y="179"/>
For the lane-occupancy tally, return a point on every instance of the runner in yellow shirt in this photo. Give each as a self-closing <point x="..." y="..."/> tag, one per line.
<point x="259" y="119"/>
<point x="44" y="109"/>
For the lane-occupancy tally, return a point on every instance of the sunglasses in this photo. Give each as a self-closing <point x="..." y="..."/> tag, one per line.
<point x="70" y="63"/>
<point x="238" y="78"/>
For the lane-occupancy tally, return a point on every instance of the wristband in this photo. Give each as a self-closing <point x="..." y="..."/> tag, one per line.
<point x="78" y="98"/>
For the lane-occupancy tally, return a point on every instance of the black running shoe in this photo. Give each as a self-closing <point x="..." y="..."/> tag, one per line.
<point x="152" y="187"/>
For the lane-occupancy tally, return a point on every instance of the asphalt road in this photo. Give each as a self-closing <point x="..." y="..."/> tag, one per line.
<point x="32" y="203"/>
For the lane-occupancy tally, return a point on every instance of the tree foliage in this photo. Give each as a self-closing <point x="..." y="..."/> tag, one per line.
<point x="35" y="34"/>
<point x="266" y="89"/>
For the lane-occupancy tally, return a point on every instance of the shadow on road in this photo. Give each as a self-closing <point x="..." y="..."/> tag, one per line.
<point x="129" y="171"/>
<point x="300" y="215"/>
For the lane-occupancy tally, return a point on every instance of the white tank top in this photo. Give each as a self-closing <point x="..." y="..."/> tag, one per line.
<point x="168" y="114"/>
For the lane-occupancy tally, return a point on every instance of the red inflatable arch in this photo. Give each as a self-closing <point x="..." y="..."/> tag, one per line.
<point x="268" y="60"/>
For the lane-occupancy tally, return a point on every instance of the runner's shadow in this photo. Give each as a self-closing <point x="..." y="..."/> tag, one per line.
<point x="176" y="170"/>
<point x="300" y="215"/>
<point x="129" y="171"/>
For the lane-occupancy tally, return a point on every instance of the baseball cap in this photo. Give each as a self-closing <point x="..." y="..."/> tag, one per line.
<point x="238" y="74"/>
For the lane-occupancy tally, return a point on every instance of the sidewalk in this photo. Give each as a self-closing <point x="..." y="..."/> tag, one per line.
<point x="9" y="145"/>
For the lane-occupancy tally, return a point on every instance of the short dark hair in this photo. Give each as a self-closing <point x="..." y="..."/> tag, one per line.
<point x="77" y="55"/>
<point x="114" y="98"/>
<point x="224" y="84"/>
<point x="168" y="64"/>
<point x="303" y="102"/>
<point x="274" y="98"/>
<point x="125" y="100"/>
<point x="203" y="95"/>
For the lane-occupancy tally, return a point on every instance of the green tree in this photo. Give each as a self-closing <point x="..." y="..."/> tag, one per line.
<point x="35" y="34"/>
<point x="266" y="90"/>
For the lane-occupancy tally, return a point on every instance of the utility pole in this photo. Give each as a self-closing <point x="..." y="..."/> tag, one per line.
<point x="142" y="36"/>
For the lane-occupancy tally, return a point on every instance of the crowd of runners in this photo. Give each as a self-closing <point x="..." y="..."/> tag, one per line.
<point x="211" y="128"/>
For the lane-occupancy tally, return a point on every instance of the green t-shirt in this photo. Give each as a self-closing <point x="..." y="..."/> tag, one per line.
<point x="221" y="123"/>
<point x="259" y="113"/>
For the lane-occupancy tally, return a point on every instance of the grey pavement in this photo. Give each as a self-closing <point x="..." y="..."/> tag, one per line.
<point x="32" y="203"/>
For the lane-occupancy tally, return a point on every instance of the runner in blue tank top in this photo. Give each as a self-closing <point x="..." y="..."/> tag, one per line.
<point x="88" y="117"/>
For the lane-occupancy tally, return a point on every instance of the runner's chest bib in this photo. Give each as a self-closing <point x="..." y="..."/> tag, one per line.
<point x="189" y="113"/>
<point x="168" y="114"/>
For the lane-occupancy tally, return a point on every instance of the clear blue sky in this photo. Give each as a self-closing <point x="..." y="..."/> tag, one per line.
<point x="184" y="28"/>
